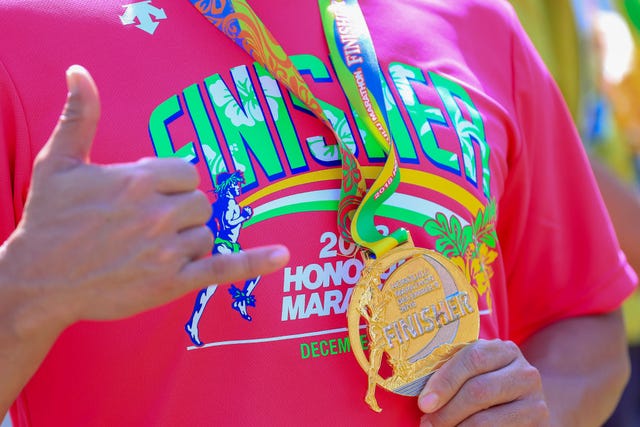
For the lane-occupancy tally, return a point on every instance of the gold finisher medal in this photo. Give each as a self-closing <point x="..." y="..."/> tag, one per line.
<point x="425" y="310"/>
<point x="419" y="317"/>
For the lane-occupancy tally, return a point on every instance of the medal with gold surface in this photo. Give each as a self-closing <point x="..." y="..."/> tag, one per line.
<point x="424" y="310"/>
<point x="419" y="317"/>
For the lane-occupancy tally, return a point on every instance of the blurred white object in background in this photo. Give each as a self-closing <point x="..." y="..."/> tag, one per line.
<point x="616" y="44"/>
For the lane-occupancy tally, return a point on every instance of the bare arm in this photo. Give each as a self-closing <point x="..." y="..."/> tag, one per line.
<point x="584" y="367"/>
<point x="132" y="236"/>
<point x="623" y="204"/>
<point x="236" y="215"/>
<point x="570" y="373"/>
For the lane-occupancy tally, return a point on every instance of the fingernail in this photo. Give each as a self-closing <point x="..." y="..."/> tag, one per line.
<point x="428" y="402"/>
<point x="279" y="256"/>
<point x="70" y="74"/>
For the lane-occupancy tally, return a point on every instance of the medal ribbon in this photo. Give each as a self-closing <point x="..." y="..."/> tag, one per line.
<point x="354" y="58"/>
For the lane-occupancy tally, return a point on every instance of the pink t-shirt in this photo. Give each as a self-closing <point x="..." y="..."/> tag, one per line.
<point x="494" y="176"/>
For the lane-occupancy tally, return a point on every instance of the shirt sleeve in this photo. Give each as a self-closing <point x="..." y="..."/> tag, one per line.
<point x="15" y="155"/>
<point x="562" y="258"/>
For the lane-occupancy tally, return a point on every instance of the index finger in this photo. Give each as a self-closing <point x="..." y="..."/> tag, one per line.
<point x="227" y="268"/>
<point x="171" y="175"/>
<point x="475" y="359"/>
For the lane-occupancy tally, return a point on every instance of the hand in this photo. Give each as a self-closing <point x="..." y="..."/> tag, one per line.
<point x="487" y="383"/>
<point x="247" y="212"/>
<point x="106" y="242"/>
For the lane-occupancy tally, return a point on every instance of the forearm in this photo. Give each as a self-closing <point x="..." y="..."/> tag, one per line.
<point x="584" y="366"/>
<point x="26" y="335"/>
<point x="19" y="360"/>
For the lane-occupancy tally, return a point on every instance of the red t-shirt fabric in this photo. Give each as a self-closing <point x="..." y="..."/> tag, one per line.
<point x="485" y="144"/>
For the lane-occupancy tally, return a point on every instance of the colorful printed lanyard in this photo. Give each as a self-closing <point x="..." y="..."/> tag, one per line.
<point x="353" y="56"/>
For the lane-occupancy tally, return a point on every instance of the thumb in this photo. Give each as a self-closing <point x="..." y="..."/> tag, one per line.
<point x="73" y="135"/>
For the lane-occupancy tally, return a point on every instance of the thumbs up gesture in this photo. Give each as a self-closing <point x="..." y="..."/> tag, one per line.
<point x="130" y="236"/>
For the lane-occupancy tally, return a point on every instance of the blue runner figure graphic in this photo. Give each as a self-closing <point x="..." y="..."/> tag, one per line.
<point x="226" y="222"/>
